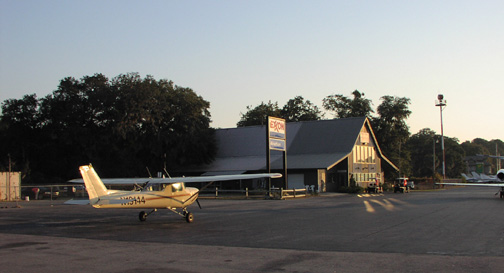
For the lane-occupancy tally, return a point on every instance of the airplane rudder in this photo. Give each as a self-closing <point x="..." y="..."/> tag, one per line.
<point x="88" y="181"/>
<point x="98" y="185"/>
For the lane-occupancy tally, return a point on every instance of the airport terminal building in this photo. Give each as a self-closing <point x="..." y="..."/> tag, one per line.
<point x="324" y="154"/>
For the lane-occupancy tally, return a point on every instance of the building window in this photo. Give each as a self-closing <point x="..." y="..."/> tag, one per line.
<point x="364" y="159"/>
<point x="364" y="154"/>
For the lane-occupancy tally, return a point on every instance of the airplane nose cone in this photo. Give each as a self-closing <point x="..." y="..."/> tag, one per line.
<point x="193" y="190"/>
<point x="500" y="175"/>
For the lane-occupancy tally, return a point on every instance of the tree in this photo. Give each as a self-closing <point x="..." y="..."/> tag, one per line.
<point x="19" y="133"/>
<point x="454" y="154"/>
<point x="392" y="131"/>
<point x="345" y="107"/>
<point x="421" y="147"/>
<point x="121" y="125"/>
<point x="259" y="114"/>
<point x="479" y="146"/>
<point x="472" y="148"/>
<point x="297" y="109"/>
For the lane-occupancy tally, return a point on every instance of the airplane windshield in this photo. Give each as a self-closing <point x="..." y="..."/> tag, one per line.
<point x="175" y="187"/>
<point x="155" y="187"/>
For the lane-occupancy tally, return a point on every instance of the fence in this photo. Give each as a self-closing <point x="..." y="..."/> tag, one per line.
<point x="293" y="193"/>
<point x="248" y="194"/>
<point x="220" y="193"/>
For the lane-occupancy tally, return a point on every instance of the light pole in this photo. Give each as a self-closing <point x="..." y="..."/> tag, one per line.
<point x="442" y="103"/>
<point x="434" y="159"/>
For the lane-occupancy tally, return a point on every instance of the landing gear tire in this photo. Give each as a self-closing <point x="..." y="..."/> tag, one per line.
<point x="189" y="217"/>
<point x="142" y="216"/>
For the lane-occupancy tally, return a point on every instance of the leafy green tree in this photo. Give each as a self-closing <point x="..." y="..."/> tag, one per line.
<point x="454" y="154"/>
<point x="259" y="115"/>
<point x="121" y="125"/>
<point x="421" y="147"/>
<point x="345" y="107"/>
<point x="472" y="148"/>
<point x="19" y="132"/>
<point x="392" y="131"/>
<point x="297" y="109"/>
<point x="479" y="146"/>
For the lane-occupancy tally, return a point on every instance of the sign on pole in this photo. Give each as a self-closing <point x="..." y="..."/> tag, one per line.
<point x="276" y="140"/>
<point x="276" y="128"/>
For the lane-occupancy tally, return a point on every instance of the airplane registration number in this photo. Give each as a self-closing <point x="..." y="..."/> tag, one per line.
<point x="135" y="200"/>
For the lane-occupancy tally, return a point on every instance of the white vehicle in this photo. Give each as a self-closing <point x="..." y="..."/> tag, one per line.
<point x="158" y="193"/>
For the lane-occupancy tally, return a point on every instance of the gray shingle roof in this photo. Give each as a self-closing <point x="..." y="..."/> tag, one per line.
<point x="310" y="145"/>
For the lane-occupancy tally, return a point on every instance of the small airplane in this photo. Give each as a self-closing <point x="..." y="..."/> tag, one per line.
<point x="478" y="178"/>
<point x="471" y="178"/>
<point x="499" y="177"/>
<point x="157" y="193"/>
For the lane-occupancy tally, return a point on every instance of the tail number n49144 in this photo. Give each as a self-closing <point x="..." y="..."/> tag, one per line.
<point x="135" y="200"/>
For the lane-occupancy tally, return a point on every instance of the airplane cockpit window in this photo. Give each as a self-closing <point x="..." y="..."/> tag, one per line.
<point x="177" y="187"/>
<point x="152" y="187"/>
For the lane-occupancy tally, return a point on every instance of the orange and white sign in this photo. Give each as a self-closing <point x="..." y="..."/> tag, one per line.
<point x="276" y="128"/>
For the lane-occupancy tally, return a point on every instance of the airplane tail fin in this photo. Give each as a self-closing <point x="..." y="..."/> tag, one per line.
<point x="94" y="185"/>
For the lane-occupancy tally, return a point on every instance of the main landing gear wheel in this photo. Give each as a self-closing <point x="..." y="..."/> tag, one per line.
<point x="142" y="216"/>
<point x="189" y="217"/>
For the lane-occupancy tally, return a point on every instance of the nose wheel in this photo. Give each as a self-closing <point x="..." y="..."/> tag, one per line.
<point x="189" y="217"/>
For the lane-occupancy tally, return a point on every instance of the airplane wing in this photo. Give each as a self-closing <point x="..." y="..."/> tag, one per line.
<point x="474" y="184"/>
<point x="194" y="179"/>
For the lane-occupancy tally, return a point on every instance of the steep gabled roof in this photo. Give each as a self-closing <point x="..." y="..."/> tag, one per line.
<point x="310" y="145"/>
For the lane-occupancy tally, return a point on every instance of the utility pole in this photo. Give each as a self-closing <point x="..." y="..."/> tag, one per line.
<point x="498" y="164"/>
<point x="9" y="179"/>
<point x="434" y="161"/>
<point x="442" y="103"/>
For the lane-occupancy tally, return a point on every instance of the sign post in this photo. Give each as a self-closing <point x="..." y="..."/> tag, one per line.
<point x="276" y="139"/>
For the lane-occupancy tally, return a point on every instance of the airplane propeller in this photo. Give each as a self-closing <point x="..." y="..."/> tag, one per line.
<point x="206" y="186"/>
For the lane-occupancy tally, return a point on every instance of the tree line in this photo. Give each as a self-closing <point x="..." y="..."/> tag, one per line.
<point x="127" y="123"/>
<point x="417" y="155"/>
<point x="123" y="125"/>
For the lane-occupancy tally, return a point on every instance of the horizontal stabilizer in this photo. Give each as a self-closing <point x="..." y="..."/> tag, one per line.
<point x="77" y="202"/>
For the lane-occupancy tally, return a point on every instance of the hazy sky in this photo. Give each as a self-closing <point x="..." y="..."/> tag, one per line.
<point x="238" y="53"/>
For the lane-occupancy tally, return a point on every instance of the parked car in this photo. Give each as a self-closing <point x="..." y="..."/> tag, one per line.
<point x="46" y="192"/>
<point x="401" y="185"/>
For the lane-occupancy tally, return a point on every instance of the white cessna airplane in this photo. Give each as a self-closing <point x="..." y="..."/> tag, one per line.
<point x="158" y="193"/>
<point x="499" y="177"/>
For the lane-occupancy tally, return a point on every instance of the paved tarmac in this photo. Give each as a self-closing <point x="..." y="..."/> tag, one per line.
<point x="453" y="230"/>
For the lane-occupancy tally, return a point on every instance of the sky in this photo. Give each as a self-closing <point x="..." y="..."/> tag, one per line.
<point x="239" y="53"/>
